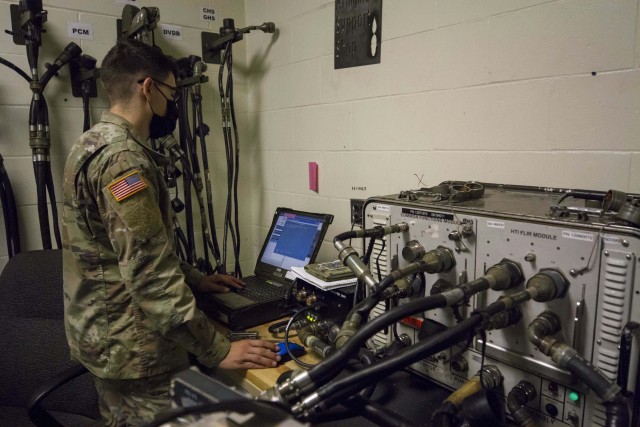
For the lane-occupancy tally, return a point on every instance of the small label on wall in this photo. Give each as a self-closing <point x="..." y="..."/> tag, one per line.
<point x="577" y="235"/>
<point x="127" y="1"/>
<point x="208" y="14"/>
<point x="495" y="224"/>
<point x="173" y="32"/>
<point x="80" y="30"/>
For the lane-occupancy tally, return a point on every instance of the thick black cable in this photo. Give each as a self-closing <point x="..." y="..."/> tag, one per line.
<point x="234" y="124"/>
<point x="369" y="251"/>
<point x="384" y="244"/>
<point x="183" y="134"/>
<point x="54" y="206"/>
<point x="16" y="69"/>
<point x="223" y="108"/>
<point x="232" y="159"/>
<point x="196" y="171"/>
<point x="43" y="212"/>
<point x="181" y="241"/>
<point x="201" y="133"/>
<point x="39" y="135"/>
<point x="335" y="391"/>
<point x="322" y="372"/>
<point x="9" y="212"/>
<point x="86" y="124"/>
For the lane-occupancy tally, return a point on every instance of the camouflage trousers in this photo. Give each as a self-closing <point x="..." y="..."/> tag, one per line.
<point x="133" y="402"/>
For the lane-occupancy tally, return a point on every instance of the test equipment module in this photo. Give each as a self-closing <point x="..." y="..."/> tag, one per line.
<point x="586" y="242"/>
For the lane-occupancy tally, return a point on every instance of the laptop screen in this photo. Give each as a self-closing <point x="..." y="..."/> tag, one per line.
<point x="294" y="240"/>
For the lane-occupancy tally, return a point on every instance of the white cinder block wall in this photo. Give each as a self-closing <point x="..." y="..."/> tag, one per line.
<point x="493" y="90"/>
<point x="531" y="92"/>
<point x="65" y="111"/>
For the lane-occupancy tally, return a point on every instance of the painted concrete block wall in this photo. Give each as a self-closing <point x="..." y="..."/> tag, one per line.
<point x="66" y="111"/>
<point x="531" y="92"/>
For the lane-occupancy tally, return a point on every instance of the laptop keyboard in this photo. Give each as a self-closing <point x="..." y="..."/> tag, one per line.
<point x="257" y="289"/>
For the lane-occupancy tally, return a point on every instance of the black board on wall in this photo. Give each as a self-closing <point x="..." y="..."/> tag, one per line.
<point x="358" y="30"/>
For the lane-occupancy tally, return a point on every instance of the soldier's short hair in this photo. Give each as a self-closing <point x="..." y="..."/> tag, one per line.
<point x="127" y="62"/>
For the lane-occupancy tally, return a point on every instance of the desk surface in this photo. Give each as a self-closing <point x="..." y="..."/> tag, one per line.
<point x="257" y="380"/>
<point x="410" y="396"/>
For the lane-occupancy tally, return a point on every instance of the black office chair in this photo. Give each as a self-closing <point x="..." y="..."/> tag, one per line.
<point x="39" y="383"/>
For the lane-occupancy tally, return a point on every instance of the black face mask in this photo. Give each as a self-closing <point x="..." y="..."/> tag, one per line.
<point x="162" y="126"/>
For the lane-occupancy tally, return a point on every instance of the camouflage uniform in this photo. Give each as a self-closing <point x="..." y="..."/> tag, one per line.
<point x="129" y="313"/>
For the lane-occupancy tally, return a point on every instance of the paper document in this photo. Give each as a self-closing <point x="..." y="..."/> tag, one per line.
<point x="313" y="280"/>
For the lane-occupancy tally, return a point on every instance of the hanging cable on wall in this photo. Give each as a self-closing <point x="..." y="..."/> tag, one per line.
<point x="9" y="212"/>
<point x="191" y="130"/>
<point x="212" y="46"/>
<point x="27" y="20"/>
<point x="201" y="130"/>
<point x="232" y="149"/>
<point x="83" y="84"/>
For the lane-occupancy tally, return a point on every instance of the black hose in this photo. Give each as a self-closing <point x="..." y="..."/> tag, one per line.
<point x="617" y="408"/>
<point x="384" y="243"/>
<point x="54" y="206"/>
<point x="86" y="124"/>
<point x="589" y="374"/>
<point x="445" y="416"/>
<point x="43" y="212"/>
<point x="346" y="235"/>
<point x="228" y="152"/>
<point x="234" y="160"/>
<point x="16" y="69"/>
<point x="340" y="389"/>
<point x="9" y="212"/>
<point x="369" y="251"/>
<point x="617" y="412"/>
<point x="183" y="135"/>
<point x="333" y="364"/>
<point x="345" y="386"/>
<point x="205" y="164"/>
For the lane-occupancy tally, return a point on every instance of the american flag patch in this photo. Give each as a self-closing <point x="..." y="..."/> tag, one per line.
<point x="127" y="186"/>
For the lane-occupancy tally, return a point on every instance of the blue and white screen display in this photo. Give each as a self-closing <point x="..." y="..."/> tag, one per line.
<point x="292" y="241"/>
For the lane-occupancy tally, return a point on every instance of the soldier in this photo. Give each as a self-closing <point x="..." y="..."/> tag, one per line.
<point x="130" y="314"/>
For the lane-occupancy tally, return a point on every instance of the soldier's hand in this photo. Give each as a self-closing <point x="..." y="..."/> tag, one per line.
<point x="219" y="283"/>
<point x="251" y="354"/>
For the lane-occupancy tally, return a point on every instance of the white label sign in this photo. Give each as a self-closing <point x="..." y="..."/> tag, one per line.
<point x="208" y="14"/>
<point x="173" y="32"/>
<point x="614" y="240"/>
<point x="495" y="224"/>
<point x="80" y="30"/>
<point x="381" y="208"/>
<point x="577" y="235"/>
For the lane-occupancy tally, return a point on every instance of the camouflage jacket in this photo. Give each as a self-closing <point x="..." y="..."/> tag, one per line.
<point x="129" y="312"/>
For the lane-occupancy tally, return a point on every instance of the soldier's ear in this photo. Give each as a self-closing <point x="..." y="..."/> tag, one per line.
<point x="146" y="85"/>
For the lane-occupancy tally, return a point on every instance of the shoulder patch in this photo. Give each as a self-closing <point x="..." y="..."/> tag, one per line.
<point x="127" y="186"/>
